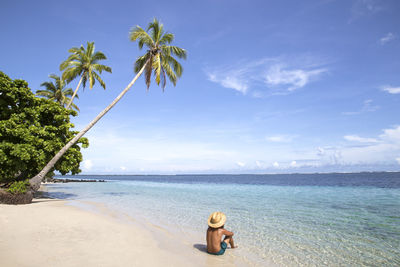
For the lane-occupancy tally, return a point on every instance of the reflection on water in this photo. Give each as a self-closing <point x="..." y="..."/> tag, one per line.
<point x="288" y="225"/>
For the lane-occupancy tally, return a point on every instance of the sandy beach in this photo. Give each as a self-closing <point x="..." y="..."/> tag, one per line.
<point x="51" y="232"/>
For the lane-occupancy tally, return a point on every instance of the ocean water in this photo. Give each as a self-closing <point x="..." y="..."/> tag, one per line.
<point x="282" y="220"/>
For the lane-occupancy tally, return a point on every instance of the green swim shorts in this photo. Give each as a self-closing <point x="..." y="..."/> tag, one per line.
<point x="222" y="251"/>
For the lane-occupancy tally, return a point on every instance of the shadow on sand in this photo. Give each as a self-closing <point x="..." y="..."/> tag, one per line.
<point x="54" y="195"/>
<point x="201" y="247"/>
<point x="61" y="195"/>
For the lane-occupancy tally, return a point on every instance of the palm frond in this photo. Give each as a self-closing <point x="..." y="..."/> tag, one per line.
<point x="44" y="93"/>
<point x="163" y="79"/>
<point x="166" y="38"/>
<point x="69" y="92"/>
<point x="144" y="38"/>
<point x="84" y="79"/>
<point x="159" y="33"/>
<point x="98" y="56"/>
<point x="154" y="29"/>
<point x="75" y="50"/>
<point x="49" y="86"/>
<point x="54" y="76"/>
<point x="175" y="65"/>
<point x="170" y="72"/>
<point x="98" y="78"/>
<point x="67" y="100"/>
<point x="71" y="73"/>
<point x="92" y="80"/>
<point x="75" y="106"/>
<point x="57" y="80"/>
<point x="100" y="68"/>
<point x="177" y="51"/>
<point x="140" y="61"/>
<point x="65" y="64"/>
<point x="165" y="50"/>
<point x="89" y="48"/>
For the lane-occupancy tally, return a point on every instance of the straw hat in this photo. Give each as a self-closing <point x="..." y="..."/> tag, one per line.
<point x="216" y="219"/>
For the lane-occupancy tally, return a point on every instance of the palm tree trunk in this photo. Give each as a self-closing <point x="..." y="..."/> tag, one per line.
<point x="35" y="181"/>
<point x="76" y="91"/>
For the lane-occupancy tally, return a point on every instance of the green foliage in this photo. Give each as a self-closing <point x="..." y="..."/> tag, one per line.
<point x="57" y="91"/>
<point x="32" y="131"/>
<point x="18" y="187"/>
<point x="159" y="54"/>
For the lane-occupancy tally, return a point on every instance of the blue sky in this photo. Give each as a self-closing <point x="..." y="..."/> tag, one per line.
<point x="268" y="86"/>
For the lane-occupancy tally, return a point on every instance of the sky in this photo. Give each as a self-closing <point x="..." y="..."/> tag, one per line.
<point x="267" y="87"/>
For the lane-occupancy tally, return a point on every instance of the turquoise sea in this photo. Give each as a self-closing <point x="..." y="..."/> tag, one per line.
<point x="278" y="220"/>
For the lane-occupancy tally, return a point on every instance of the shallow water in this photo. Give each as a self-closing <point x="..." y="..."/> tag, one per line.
<point x="286" y="220"/>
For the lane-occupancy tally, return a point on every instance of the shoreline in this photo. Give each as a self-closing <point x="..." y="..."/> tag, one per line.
<point x="54" y="232"/>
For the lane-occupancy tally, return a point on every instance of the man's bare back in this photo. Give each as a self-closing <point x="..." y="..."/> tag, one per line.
<point x="215" y="233"/>
<point x="214" y="237"/>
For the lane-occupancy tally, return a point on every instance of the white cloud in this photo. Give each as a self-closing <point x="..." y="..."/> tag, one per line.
<point x="280" y="138"/>
<point x="391" y="90"/>
<point x="258" y="164"/>
<point x="356" y="138"/>
<point x="367" y="107"/>
<point x="237" y="77"/>
<point x="383" y="149"/>
<point x="152" y="155"/>
<point x="337" y="157"/>
<point x="111" y="151"/>
<point x="87" y="165"/>
<point x="391" y="135"/>
<point x="379" y="150"/>
<point x="387" y="38"/>
<point x="267" y="74"/>
<point x="240" y="164"/>
<point x="230" y="81"/>
<point x="294" y="78"/>
<point x="330" y="155"/>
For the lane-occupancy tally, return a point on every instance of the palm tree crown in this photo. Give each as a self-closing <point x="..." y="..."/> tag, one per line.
<point x="84" y="63"/>
<point x="56" y="91"/>
<point x="159" y="54"/>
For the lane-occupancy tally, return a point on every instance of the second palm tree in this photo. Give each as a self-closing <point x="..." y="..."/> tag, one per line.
<point x="84" y="63"/>
<point x="57" y="92"/>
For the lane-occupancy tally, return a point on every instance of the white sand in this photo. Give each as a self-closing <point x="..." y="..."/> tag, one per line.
<point x="53" y="233"/>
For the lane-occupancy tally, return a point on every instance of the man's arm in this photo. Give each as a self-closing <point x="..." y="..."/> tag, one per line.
<point x="226" y="232"/>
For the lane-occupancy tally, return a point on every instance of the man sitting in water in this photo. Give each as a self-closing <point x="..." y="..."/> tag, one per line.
<point x="215" y="231"/>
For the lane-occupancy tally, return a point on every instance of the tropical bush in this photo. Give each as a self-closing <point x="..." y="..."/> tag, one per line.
<point x="32" y="130"/>
<point x="18" y="187"/>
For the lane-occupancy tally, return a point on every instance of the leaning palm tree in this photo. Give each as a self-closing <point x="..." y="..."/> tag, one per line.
<point x="84" y="63"/>
<point x="56" y="91"/>
<point x="158" y="59"/>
